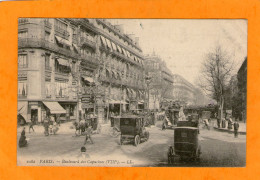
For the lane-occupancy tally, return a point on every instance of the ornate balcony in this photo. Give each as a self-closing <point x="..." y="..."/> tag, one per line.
<point x="42" y="43"/>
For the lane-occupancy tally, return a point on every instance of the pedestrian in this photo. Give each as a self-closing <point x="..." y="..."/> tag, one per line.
<point x="83" y="153"/>
<point x="33" y="119"/>
<point x="236" y="127"/>
<point x="46" y="126"/>
<point x="230" y="123"/>
<point x="206" y="123"/>
<point x="22" y="140"/>
<point x="88" y="135"/>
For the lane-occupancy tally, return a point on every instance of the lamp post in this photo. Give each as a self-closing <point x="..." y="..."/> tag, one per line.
<point x="148" y="81"/>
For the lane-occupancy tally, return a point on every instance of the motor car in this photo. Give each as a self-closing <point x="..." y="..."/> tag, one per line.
<point x="186" y="144"/>
<point x="132" y="128"/>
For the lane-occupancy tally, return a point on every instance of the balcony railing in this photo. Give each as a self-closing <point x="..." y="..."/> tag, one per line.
<point x="125" y="58"/>
<point x="61" y="73"/>
<point x="64" y="33"/>
<point x="47" y="24"/>
<point x="21" y="96"/>
<point x="23" y="20"/>
<point x="22" y="66"/>
<point x="42" y="43"/>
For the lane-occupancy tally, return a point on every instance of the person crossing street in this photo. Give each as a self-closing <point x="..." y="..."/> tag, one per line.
<point x="88" y="135"/>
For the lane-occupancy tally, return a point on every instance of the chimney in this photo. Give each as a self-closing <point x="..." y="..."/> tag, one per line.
<point x="120" y="27"/>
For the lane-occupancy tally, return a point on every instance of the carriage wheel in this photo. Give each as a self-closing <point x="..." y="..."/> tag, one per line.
<point x="137" y="140"/>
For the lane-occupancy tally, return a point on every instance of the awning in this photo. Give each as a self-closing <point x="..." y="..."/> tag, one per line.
<point x="124" y="51"/>
<point x="54" y="107"/>
<point x="103" y="40"/>
<point x="114" y="46"/>
<point x="127" y="53"/>
<point x="22" y="108"/>
<point x="139" y="102"/>
<point x="119" y="48"/>
<point x="63" y="41"/>
<point x="63" y="62"/>
<point x="89" y="79"/>
<point x="76" y="47"/>
<point x="108" y="43"/>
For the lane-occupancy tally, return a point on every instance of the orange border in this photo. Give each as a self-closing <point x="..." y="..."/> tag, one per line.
<point x="10" y="11"/>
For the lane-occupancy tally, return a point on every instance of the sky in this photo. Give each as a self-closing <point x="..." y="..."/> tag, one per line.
<point x="182" y="44"/>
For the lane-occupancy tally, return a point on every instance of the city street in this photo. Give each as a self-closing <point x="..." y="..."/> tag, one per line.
<point x="218" y="148"/>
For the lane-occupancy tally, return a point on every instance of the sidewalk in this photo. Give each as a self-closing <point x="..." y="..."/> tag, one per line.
<point x="64" y="128"/>
<point x="241" y="130"/>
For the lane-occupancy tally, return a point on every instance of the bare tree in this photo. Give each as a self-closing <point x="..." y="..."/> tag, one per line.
<point x="216" y="72"/>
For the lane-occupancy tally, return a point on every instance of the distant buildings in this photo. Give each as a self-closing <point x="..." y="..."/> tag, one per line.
<point x="160" y="83"/>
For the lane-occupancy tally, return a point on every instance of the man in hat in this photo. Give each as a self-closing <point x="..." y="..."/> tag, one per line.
<point x="236" y="127"/>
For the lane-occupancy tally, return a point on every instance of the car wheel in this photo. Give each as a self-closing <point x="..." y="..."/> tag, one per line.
<point x="137" y="140"/>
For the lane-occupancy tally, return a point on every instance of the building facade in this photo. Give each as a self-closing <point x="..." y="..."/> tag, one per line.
<point x="183" y="90"/>
<point x="70" y="67"/>
<point x="242" y="89"/>
<point x="160" y="81"/>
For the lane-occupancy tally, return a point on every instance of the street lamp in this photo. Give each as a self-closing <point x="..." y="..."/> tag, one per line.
<point x="148" y="81"/>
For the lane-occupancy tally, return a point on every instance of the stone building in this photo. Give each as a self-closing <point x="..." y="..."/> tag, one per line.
<point x="242" y="89"/>
<point x="160" y="81"/>
<point x="70" y="67"/>
<point x="183" y="90"/>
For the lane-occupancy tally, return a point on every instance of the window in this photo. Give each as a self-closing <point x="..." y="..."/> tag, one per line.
<point x="22" y="34"/>
<point x="22" y="88"/>
<point x="47" y="61"/>
<point x="74" y="34"/>
<point x="60" y="68"/>
<point x="22" y="61"/>
<point x="47" y="36"/>
<point x="60" y="26"/>
<point x="61" y="88"/>
<point x="48" y="89"/>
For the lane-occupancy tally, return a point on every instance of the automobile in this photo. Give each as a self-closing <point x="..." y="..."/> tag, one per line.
<point x="186" y="144"/>
<point x="132" y="128"/>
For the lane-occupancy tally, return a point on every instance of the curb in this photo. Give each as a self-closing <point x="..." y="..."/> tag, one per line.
<point x="229" y="131"/>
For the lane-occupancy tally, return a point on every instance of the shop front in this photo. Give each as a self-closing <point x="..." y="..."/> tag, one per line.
<point x="54" y="109"/>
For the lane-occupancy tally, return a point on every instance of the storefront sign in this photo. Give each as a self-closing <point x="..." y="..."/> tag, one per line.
<point x="86" y="106"/>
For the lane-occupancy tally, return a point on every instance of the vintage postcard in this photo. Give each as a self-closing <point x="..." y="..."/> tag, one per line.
<point x="132" y="92"/>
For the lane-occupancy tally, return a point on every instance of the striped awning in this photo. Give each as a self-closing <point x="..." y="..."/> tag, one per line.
<point x="76" y="47"/>
<point x="89" y="79"/>
<point x="62" y="41"/>
<point x="103" y="40"/>
<point x="119" y="48"/>
<point x="54" y="107"/>
<point x="108" y="43"/>
<point x="22" y="108"/>
<point x="124" y="51"/>
<point x="114" y="46"/>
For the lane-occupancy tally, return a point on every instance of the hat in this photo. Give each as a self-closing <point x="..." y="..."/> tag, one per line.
<point x="83" y="149"/>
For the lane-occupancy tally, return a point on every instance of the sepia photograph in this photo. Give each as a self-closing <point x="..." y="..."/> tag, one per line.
<point x="132" y="92"/>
